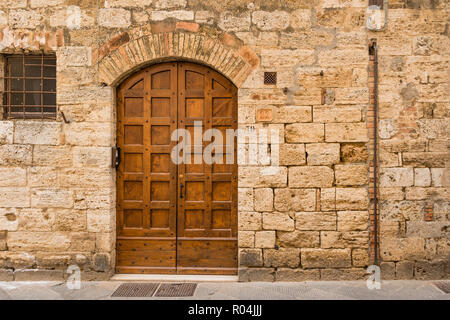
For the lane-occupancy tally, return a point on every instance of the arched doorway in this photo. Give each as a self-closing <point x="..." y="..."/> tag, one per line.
<point x="175" y="218"/>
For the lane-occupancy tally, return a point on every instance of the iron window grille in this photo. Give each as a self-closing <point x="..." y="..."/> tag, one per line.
<point x="30" y="87"/>
<point x="270" y="78"/>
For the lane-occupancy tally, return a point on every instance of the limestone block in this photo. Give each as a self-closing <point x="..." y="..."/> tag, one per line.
<point x="6" y="275"/>
<point x="429" y="229"/>
<point x="292" y="154"/>
<point x="8" y="221"/>
<point x="292" y="114"/>
<point x="88" y="134"/>
<point x="301" y="19"/>
<point x="42" y="176"/>
<point x="38" y="275"/>
<point x="74" y="56"/>
<point x="250" y="257"/>
<point x="295" y="199"/>
<point x="328" y="199"/>
<point x="345" y="132"/>
<point x="274" y="20"/>
<point x="263" y="199"/>
<point x="360" y="257"/>
<point x="342" y="240"/>
<point x="55" y="156"/>
<point x="404" y="270"/>
<point x="351" y="199"/>
<point x="277" y="221"/>
<point x="325" y="114"/>
<point x="396" y="177"/>
<point x="105" y="241"/>
<point x="13" y="177"/>
<point x="307" y="176"/>
<point x="38" y="241"/>
<point x="315" y="221"/>
<point x="230" y="21"/>
<point x="283" y="257"/>
<point x="326" y="258"/>
<point x="83" y="177"/>
<point x="102" y="262"/>
<point x="346" y="274"/>
<point x="398" y="249"/>
<point x="20" y="19"/>
<point x="15" y="154"/>
<point x="45" y="3"/>
<point x="250" y="221"/>
<point x="352" y="220"/>
<point x="114" y="18"/>
<point x="440" y="177"/>
<point x="70" y="220"/>
<point x="32" y="132"/>
<point x="390" y="193"/>
<point x="36" y="219"/>
<point x="422" y="177"/>
<point x="245" y="199"/>
<point x="256" y="274"/>
<point x="299" y="239"/>
<point x="322" y="153"/>
<point x="283" y="58"/>
<point x="177" y="14"/>
<point x="130" y="3"/>
<point x="18" y="197"/>
<point x="354" y="152"/>
<point x="425" y="159"/>
<point x="246" y="239"/>
<point x="92" y="156"/>
<point x="86" y="94"/>
<point x="54" y="198"/>
<point x="13" y="4"/>
<point x="341" y="57"/>
<point x="99" y="220"/>
<point x="82" y="242"/>
<point x="6" y="130"/>
<point x="296" y="275"/>
<point x="351" y="175"/>
<point x="265" y="239"/>
<point x="262" y="176"/>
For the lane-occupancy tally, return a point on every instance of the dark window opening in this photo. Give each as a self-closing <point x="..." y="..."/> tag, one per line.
<point x="30" y="87"/>
<point x="376" y="3"/>
<point x="270" y="78"/>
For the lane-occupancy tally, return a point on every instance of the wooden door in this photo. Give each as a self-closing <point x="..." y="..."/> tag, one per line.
<point x="175" y="218"/>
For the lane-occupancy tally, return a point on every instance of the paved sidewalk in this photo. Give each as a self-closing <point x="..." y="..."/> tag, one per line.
<point x="336" y="290"/>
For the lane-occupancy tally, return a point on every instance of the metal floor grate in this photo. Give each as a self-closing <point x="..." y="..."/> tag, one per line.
<point x="135" y="290"/>
<point x="176" y="290"/>
<point x="444" y="286"/>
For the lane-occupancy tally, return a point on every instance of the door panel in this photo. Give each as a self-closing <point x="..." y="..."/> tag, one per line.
<point x="175" y="218"/>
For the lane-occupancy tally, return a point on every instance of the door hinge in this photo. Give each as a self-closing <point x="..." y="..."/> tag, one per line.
<point x="115" y="157"/>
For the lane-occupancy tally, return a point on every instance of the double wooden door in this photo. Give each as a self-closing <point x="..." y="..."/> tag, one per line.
<point x="175" y="218"/>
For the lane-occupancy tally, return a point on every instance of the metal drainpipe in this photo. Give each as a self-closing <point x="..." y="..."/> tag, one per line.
<point x="375" y="167"/>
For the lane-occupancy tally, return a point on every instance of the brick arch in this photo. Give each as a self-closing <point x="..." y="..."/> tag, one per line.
<point x="124" y="54"/>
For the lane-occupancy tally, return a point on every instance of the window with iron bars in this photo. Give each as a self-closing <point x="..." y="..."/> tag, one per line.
<point x="30" y="86"/>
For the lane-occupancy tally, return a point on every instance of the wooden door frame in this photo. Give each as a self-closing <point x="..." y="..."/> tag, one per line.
<point x="235" y="184"/>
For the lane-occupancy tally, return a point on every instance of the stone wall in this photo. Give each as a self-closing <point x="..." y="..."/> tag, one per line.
<point x="306" y="220"/>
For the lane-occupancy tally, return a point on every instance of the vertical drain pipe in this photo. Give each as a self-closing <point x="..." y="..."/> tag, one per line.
<point x="374" y="51"/>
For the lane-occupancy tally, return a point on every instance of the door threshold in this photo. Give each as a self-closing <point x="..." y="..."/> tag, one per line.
<point x="173" y="277"/>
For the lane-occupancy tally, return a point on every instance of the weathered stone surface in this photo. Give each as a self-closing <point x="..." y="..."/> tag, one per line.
<point x="24" y="19"/>
<point x="265" y="239"/>
<point x="299" y="239"/>
<point x="431" y="270"/>
<point x="319" y="176"/>
<point x="262" y="176"/>
<point x="326" y="114"/>
<point x="34" y="219"/>
<point x="6" y="275"/>
<point x="75" y="56"/>
<point x="286" y="58"/>
<point x="99" y="221"/>
<point x="263" y="199"/>
<point x="256" y="274"/>
<point x="12" y="154"/>
<point x="250" y="257"/>
<point x="404" y="270"/>
<point x="345" y="132"/>
<point x="278" y="221"/>
<point x="326" y="258"/>
<point x="304" y="132"/>
<point x="393" y="249"/>
<point x="351" y="198"/>
<point x="250" y="221"/>
<point x="6" y="132"/>
<point x="352" y="220"/>
<point x="348" y="274"/>
<point x="38" y="275"/>
<point x="114" y="18"/>
<point x="295" y="199"/>
<point x="296" y="275"/>
<point x="14" y="197"/>
<point x="13" y="177"/>
<point x="178" y="14"/>
<point x="292" y="114"/>
<point x="322" y="153"/>
<point x="275" y="20"/>
<point x="245" y="199"/>
<point x="230" y="21"/>
<point x="132" y="3"/>
<point x="351" y="175"/>
<point x="354" y="152"/>
<point x="101" y="262"/>
<point x="315" y="221"/>
<point x="283" y="257"/>
<point x="292" y="154"/>
<point x="42" y="241"/>
<point x="396" y="177"/>
<point x="55" y="156"/>
<point x="327" y="199"/>
<point x="360" y="257"/>
<point x="246" y="239"/>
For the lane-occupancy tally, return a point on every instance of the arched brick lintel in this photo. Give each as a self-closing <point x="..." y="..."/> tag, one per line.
<point x="121" y="56"/>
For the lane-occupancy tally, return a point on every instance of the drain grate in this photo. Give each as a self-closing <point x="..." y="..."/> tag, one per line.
<point x="135" y="290"/>
<point x="176" y="290"/>
<point x="444" y="286"/>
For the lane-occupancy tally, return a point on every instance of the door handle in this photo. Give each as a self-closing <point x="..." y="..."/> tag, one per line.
<point x="181" y="191"/>
<point x="116" y="157"/>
